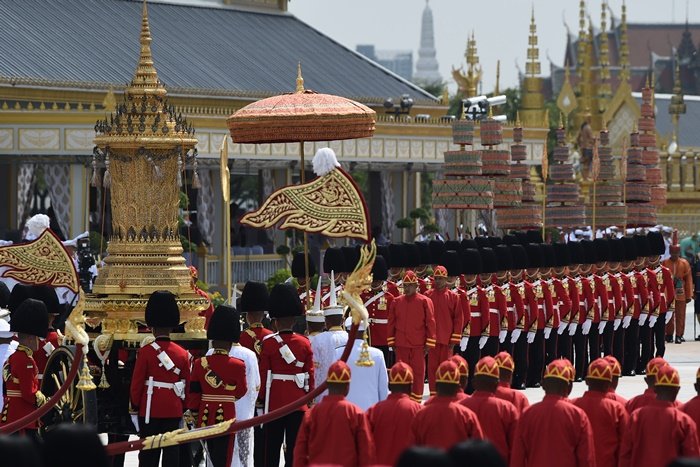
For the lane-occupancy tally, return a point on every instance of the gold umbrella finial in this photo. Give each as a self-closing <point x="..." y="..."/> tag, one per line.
<point x="300" y="79"/>
<point x="146" y="76"/>
<point x="518" y="123"/>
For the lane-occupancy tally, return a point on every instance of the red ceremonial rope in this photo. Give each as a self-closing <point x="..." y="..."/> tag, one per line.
<point x="41" y="411"/>
<point x="136" y="445"/>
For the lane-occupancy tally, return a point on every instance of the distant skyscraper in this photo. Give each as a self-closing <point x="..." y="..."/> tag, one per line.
<point x="398" y="61"/>
<point x="427" y="65"/>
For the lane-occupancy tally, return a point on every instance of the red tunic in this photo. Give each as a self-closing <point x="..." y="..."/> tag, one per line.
<point x="498" y="309"/>
<point x="553" y="432"/>
<point x="656" y="304"/>
<point x="217" y="382"/>
<point x="390" y="423"/>
<point x="334" y="432"/>
<point x="614" y="296"/>
<point x="641" y="293"/>
<point x="561" y="303"/>
<point x="517" y="398"/>
<point x="165" y="403"/>
<point x="444" y="423"/>
<point x="539" y="299"/>
<point x="378" y="309"/>
<point x="575" y="299"/>
<point x="20" y="387"/>
<point x="516" y="306"/>
<point x="252" y="337"/>
<point x="411" y="322"/>
<point x="588" y="307"/>
<point x="657" y="435"/>
<point x="692" y="409"/>
<point x="600" y="291"/>
<point x="609" y="420"/>
<point x="627" y="295"/>
<point x="642" y="400"/>
<point x="394" y="288"/>
<point x="616" y="397"/>
<point x="41" y="356"/>
<point x="498" y="419"/>
<point x="459" y="397"/>
<point x="284" y="391"/>
<point x="448" y="315"/>
<point x="478" y="311"/>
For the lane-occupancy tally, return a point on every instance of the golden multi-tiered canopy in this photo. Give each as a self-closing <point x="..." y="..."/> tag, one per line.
<point x="145" y="144"/>
<point x="468" y="81"/>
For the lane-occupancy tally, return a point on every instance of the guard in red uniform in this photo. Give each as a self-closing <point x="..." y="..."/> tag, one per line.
<point x="378" y="300"/>
<point x="160" y="382"/>
<point x="445" y="422"/>
<point x="286" y="374"/>
<point x="608" y="418"/>
<point x="579" y="312"/>
<point x="659" y="433"/>
<point x="561" y="304"/>
<point x="648" y="396"/>
<point x="47" y="345"/>
<point x="616" y="373"/>
<point x="561" y="280"/>
<point x="659" y="278"/>
<point x="514" y="301"/>
<point x="335" y="432"/>
<point x="554" y="430"/>
<point x="478" y="309"/>
<point x="506" y="367"/>
<point x="612" y="291"/>
<point x="497" y="304"/>
<point x="390" y="420"/>
<point x="217" y="382"/>
<point x="397" y="266"/>
<point x="21" y="393"/>
<point x="448" y="318"/>
<point x="692" y="407"/>
<point x="595" y="298"/>
<point x="497" y="417"/>
<point x="618" y="254"/>
<point x="539" y="300"/>
<point x="254" y="302"/>
<point x="519" y="333"/>
<point x="636" y="246"/>
<point x="412" y="330"/>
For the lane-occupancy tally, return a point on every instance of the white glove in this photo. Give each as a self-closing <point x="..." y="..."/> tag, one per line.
<point x="391" y="349"/>
<point x="482" y="341"/>
<point x="502" y="336"/>
<point x="463" y="343"/>
<point x="626" y="321"/>
<point x="617" y="323"/>
<point x="669" y="315"/>
<point x="135" y="421"/>
<point x="530" y="337"/>
<point x="547" y="332"/>
<point x="652" y="320"/>
<point x="643" y="318"/>
<point x="572" y="328"/>
<point x="562" y="327"/>
<point x="601" y="327"/>
<point x="586" y="327"/>
<point x="515" y="335"/>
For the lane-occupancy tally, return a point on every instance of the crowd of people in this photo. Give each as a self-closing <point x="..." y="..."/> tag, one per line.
<point x="477" y="320"/>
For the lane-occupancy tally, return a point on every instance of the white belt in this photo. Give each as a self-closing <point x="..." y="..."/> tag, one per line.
<point x="611" y="301"/>
<point x="476" y="314"/>
<point x="493" y="310"/>
<point x="378" y="321"/>
<point x="511" y="309"/>
<point x="581" y="303"/>
<point x="40" y="376"/>
<point x="285" y="377"/>
<point x="158" y="384"/>
<point x="540" y="307"/>
<point x="636" y="295"/>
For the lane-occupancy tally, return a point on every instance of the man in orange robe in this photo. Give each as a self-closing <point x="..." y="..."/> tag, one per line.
<point x="390" y="420"/>
<point x="608" y="418"/>
<point x="659" y="433"/>
<point x="335" y="431"/>
<point x="554" y="431"/>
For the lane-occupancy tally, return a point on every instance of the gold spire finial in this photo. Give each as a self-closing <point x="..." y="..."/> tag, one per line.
<point x="624" y="47"/>
<point x="300" y="79"/>
<point x="490" y="111"/>
<point x="532" y="68"/>
<point x="518" y="124"/>
<point x="110" y="102"/>
<point x="146" y="78"/>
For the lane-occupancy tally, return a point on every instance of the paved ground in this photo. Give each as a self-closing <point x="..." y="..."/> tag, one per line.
<point x="684" y="357"/>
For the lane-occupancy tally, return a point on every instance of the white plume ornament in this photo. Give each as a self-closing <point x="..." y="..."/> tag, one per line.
<point x="36" y="226"/>
<point x="324" y="162"/>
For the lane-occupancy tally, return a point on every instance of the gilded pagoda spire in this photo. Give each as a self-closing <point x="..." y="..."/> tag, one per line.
<point x="533" y="67"/>
<point x="468" y="82"/>
<point x="532" y="106"/>
<point x="624" y="47"/>
<point x="604" y="88"/>
<point x="677" y="106"/>
<point x="146" y="77"/>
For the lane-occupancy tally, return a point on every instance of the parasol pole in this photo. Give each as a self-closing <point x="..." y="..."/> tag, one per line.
<point x="596" y="173"/>
<point x="545" y="170"/>
<point x="623" y="176"/>
<point x="226" y="194"/>
<point x="306" y="236"/>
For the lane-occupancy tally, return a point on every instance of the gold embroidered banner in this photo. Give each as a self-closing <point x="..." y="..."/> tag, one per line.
<point x="331" y="205"/>
<point x="44" y="261"/>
